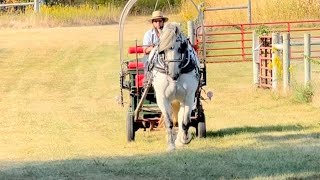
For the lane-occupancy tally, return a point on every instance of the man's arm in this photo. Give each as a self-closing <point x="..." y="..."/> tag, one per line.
<point x="147" y="42"/>
<point x="148" y="49"/>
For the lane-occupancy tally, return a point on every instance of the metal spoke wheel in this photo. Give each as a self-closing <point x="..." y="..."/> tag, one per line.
<point x="130" y="127"/>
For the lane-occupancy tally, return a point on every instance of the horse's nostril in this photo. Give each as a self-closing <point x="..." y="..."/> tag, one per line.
<point x="175" y="77"/>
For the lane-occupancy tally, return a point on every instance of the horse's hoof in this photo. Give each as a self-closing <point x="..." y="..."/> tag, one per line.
<point x="178" y="142"/>
<point x="171" y="148"/>
<point x="186" y="139"/>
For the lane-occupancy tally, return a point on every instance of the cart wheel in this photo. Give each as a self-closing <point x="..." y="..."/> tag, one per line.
<point x="130" y="127"/>
<point x="201" y="129"/>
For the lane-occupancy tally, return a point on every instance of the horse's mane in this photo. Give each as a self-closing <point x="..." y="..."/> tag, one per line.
<point x="168" y="35"/>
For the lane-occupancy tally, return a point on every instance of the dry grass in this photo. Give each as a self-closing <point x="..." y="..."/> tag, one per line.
<point x="57" y="82"/>
<point x="59" y="117"/>
<point x="61" y="16"/>
<point x="262" y="11"/>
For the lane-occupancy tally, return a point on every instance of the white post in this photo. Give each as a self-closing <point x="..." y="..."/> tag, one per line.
<point x="275" y="53"/>
<point x="204" y="52"/>
<point x="255" y="58"/>
<point x="249" y="12"/>
<point x="286" y="61"/>
<point x="307" y="56"/>
<point x="191" y="32"/>
<point x="36" y="6"/>
<point x="201" y="14"/>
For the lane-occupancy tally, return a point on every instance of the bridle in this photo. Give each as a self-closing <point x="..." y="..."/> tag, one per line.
<point x="162" y="63"/>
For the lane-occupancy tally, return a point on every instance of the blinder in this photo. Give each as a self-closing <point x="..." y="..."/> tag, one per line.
<point x="186" y="64"/>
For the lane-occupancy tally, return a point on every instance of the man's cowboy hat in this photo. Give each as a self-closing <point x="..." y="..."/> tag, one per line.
<point x="158" y="15"/>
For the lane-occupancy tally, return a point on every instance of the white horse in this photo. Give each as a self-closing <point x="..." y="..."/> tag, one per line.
<point x="175" y="72"/>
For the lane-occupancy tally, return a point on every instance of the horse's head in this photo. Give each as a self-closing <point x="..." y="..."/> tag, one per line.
<point x="174" y="46"/>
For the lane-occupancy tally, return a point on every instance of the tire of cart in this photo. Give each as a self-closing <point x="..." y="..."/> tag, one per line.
<point x="130" y="127"/>
<point x="201" y="127"/>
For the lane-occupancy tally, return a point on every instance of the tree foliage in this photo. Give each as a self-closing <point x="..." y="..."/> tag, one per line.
<point x="141" y="7"/>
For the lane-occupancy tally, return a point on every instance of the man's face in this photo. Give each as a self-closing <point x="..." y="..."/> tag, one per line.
<point x="158" y="23"/>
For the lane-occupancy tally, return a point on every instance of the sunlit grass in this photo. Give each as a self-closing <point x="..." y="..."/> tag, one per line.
<point x="54" y="16"/>
<point x="262" y="11"/>
<point x="60" y="118"/>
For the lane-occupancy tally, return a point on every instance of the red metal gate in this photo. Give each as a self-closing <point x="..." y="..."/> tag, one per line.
<point x="233" y="42"/>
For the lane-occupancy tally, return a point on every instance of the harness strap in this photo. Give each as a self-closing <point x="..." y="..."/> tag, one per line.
<point x="188" y="62"/>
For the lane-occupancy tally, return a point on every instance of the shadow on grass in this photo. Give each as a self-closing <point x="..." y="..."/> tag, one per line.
<point x="312" y="177"/>
<point x="289" y="137"/>
<point x="248" y="129"/>
<point x="280" y="162"/>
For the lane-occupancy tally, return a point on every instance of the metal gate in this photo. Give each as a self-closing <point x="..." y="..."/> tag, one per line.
<point x="233" y="42"/>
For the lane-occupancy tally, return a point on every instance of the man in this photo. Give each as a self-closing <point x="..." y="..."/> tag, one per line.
<point x="151" y="37"/>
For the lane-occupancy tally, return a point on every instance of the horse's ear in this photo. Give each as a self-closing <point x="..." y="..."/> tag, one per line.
<point x="178" y="25"/>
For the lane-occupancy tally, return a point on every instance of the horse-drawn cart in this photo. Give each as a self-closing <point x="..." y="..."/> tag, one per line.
<point x="143" y="111"/>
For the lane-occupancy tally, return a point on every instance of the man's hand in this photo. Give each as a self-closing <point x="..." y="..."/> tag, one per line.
<point x="148" y="49"/>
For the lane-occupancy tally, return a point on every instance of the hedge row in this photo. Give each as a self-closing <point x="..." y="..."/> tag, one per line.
<point x="141" y="7"/>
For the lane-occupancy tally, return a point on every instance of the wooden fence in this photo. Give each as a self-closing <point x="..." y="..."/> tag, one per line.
<point x="36" y="5"/>
<point x="284" y="45"/>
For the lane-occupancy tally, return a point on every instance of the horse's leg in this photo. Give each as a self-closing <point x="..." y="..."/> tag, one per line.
<point x="165" y="108"/>
<point x="184" y="136"/>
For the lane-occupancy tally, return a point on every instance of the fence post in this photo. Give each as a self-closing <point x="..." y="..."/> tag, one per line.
<point x="255" y="58"/>
<point x="249" y="12"/>
<point x="286" y="61"/>
<point x="191" y="32"/>
<point x="36" y="6"/>
<point x="307" y="56"/>
<point x="203" y="32"/>
<point x="275" y="54"/>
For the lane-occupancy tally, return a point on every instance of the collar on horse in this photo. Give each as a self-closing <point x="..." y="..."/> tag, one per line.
<point x="188" y="60"/>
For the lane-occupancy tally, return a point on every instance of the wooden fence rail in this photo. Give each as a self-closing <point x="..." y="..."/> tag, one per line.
<point x="284" y="46"/>
<point x="36" y="5"/>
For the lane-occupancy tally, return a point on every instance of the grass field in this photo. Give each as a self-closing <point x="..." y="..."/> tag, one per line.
<point x="60" y="118"/>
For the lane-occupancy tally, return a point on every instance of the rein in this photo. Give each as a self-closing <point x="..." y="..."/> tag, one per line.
<point x="187" y="62"/>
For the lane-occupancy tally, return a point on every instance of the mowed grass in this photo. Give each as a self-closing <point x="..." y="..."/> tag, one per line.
<point x="60" y="118"/>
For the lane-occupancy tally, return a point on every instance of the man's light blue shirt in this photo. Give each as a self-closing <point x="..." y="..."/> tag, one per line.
<point x="150" y="37"/>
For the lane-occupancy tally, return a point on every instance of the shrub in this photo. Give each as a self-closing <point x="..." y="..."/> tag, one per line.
<point x="262" y="30"/>
<point x="303" y="94"/>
